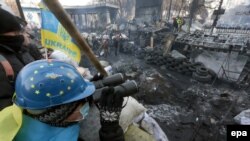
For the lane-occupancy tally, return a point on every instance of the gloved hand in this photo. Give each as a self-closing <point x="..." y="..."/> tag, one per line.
<point x="110" y="105"/>
<point x="97" y="77"/>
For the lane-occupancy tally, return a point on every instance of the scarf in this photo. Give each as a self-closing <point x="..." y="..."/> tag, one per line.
<point x="13" y="42"/>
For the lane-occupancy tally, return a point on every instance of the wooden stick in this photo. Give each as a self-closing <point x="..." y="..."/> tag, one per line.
<point x="56" y="8"/>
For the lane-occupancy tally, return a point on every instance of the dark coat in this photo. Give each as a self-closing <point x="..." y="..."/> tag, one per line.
<point x="17" y="61"/>
<point x="175" y="24"/>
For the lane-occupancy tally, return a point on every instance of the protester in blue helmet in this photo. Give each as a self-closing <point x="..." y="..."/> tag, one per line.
<point x="54" y="97"/>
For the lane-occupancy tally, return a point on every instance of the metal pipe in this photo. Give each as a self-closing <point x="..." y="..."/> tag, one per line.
<point x="56" y="8"/>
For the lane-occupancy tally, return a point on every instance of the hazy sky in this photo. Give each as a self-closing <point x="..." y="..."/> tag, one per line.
<point x="75" y="2"/>
<point x="227" y="3"/>
<point x="64" y="2"/>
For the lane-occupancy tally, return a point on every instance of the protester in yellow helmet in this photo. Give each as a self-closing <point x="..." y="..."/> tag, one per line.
<point x="180" y="23"/>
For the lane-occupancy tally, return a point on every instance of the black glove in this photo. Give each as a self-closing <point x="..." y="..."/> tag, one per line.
<point x="110" y="106"/>
<point x="97" y="77"/>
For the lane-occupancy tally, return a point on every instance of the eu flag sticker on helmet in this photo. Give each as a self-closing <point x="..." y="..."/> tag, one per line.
<point x="43" y="84"/>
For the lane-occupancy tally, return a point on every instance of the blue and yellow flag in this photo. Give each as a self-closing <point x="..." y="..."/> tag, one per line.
<point x="54" y="36"/>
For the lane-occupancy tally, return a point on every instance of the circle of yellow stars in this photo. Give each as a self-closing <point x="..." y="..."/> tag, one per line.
<point x="37" y="92"/>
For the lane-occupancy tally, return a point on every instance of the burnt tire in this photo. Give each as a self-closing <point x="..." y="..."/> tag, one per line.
<point x="149" y="62"/>
<point x="200" y="78"/>
<point x="188" y="73"/>
<point x="170" y="59"/>
<point x="167" y="66"/>
<point x="198" y="64"/>
<point x="183" y="66"/>
<point x="178" y="61"/>
<point x="202" y="71"/>
<point x="188" y="64"/>
<point x="180" y="70"/>
<point x="192" y="68"/>
<point x="172" y="68"/>
<point x="169" y="63"/>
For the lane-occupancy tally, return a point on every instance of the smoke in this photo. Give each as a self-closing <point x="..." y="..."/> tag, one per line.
<point x="231" y="17"/>
<point x="236" y="17"/>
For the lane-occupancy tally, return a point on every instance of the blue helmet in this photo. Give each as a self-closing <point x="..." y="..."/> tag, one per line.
<point x="43" y="84"/>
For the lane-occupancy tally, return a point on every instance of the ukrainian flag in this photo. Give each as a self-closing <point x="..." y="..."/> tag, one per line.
<point x="54" y="36"/>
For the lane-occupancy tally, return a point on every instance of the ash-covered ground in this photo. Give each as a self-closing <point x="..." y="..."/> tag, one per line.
<point x="186" y="109"/>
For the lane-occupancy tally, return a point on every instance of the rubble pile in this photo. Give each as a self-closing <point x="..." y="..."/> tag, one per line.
<point x="201" y="109"/>
<point x="128" y="47"/>
<point x="129" y="69"/>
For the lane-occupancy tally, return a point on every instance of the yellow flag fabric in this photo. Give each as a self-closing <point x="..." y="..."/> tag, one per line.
<point x="54" y="36"/>
<point x="10" y="122"/>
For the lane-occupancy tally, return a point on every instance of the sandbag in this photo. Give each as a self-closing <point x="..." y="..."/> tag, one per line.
<point x="104" y="63"/>
<point x="134" y="133"/>
<point x="152" y="127"/>
<point x="130" y="111"/>
<point x="149" y="125"/>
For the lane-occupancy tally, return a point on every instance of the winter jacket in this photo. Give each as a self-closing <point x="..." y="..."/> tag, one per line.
<point x="16" y="126"/>
<point x="175" y="24"/>
<point x="180" y="21"/>
<point x="34" y="130"/>
<point x="17" y="61"/>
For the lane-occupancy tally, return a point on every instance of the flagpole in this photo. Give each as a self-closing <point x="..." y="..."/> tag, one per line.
<point x="46" y="53"/>
<point x="56" y="8"/>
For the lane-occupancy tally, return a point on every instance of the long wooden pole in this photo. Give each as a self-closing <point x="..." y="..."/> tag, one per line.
<point x="56" y="8"/>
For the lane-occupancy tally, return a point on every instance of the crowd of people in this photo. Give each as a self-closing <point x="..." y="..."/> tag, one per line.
<point x="108" y="45"/>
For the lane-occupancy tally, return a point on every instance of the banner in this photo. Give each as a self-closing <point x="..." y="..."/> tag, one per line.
<point x="54" y="36"/>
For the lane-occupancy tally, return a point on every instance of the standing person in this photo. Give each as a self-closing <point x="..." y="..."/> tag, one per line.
<point x="59" y="97"/>
<point x="95" y="43"/>
<point x="175" y="25"/>
<point x="180" y="23"/>
<point x="116" y="43"/>
<point x="121" y="42"/>
<point x="31" y="47"/>
<point x="248" y="44"/>
<point x="14" y="55"/>
<point x="111" y="34"/>
<point x="129" y="34"/>
<point x="105" y="47"/>
<point x="29" y="44"/>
